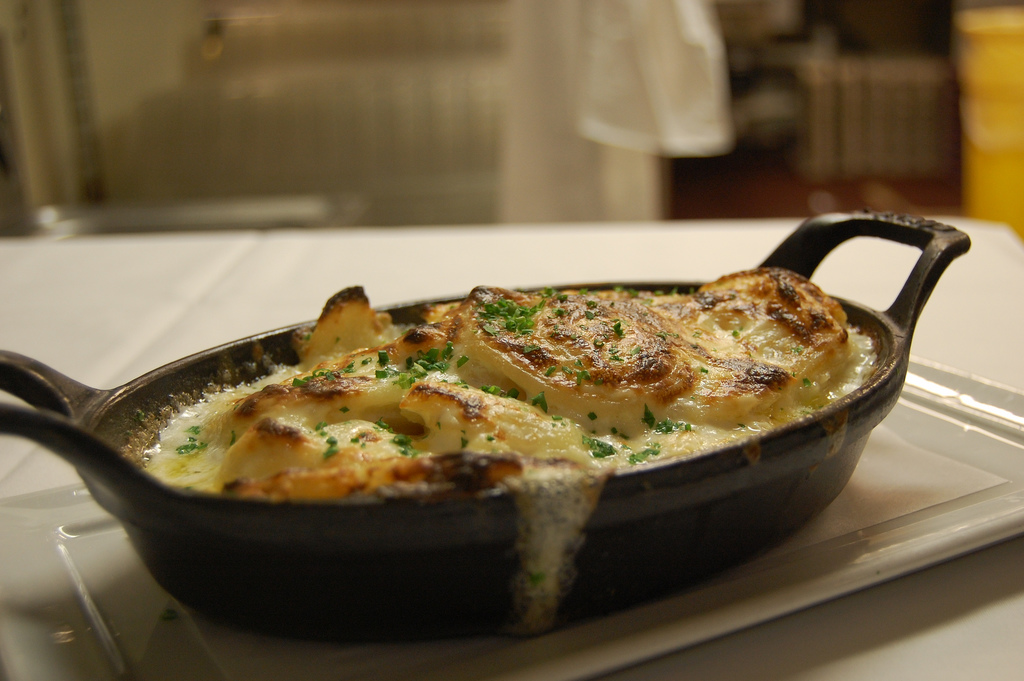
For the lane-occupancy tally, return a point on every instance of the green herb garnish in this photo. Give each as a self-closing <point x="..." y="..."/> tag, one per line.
<point x="191" y="447"/>
<point x="648" y="418"/>
<point x="598" y="448"/>
<point x="404" y="443"/>
<point x="508" y="315"/>
<point x="643" y="455"/>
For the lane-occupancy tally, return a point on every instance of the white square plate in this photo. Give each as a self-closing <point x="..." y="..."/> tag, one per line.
<point x="942" y="476"/>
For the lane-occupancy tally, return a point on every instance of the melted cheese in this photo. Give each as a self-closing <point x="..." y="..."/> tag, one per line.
<point x="601" y="380"/>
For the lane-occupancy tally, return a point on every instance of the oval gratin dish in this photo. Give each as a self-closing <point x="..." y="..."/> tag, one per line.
<point x="429" y="566"/>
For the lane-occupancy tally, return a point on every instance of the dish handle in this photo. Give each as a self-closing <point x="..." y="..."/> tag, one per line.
<point x="940" y="244"/>
<point x="58" y="401"/>
<point x="43" y="387"/>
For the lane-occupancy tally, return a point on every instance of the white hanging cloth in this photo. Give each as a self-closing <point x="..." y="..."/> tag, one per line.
<point x="655" y="77"/>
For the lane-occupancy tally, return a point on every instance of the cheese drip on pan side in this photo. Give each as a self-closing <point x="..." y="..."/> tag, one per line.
<point x="508" y="383"/>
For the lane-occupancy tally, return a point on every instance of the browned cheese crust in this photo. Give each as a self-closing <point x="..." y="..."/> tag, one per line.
<point x="529" y="379"/>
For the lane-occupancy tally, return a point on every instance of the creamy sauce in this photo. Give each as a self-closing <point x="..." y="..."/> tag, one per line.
<point x="554" y="505"/>
<point x="181" y="456"/>
<point x="184" y="457"/>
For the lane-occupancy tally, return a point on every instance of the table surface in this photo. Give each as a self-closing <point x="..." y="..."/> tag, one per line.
<point x="106" y="309"/>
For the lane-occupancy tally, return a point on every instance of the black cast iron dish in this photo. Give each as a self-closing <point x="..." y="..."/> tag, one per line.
<point x="403" y="567"/>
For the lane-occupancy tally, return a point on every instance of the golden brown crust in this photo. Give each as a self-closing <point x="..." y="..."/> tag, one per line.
<point x="785" y="297"/>
<point x="347" y="322"/>
<point x="451" y="474"/>
<point x="612" y="343"/>
<point x="325" y="387"/>
<point x="466" y="406"/>
<point x="598" y="378"/>
<point x="346" y="296"/>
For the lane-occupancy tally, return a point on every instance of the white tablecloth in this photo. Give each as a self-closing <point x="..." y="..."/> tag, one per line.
<point x="106" y="309"/>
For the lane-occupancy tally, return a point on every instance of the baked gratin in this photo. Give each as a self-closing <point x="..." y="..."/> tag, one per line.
<point x="508" y="382"/>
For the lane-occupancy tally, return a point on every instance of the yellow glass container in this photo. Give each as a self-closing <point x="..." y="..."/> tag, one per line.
<point x="991" y="69"/>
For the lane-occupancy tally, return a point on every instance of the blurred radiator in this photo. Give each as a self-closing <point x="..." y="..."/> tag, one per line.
<point x="879" y="116"/>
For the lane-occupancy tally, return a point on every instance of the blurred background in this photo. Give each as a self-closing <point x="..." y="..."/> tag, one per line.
<point x="393" y="112"/>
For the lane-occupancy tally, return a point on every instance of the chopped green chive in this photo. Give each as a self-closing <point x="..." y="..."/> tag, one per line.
<point x="643" y="455"/>
<point x="648" y="418"/>
<point x="598" y="448"/>
<point x="670" y="426"/>
<point x="191" y="447"/>
<point x="405" y="447"/>
<point x="508" y="315"/>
